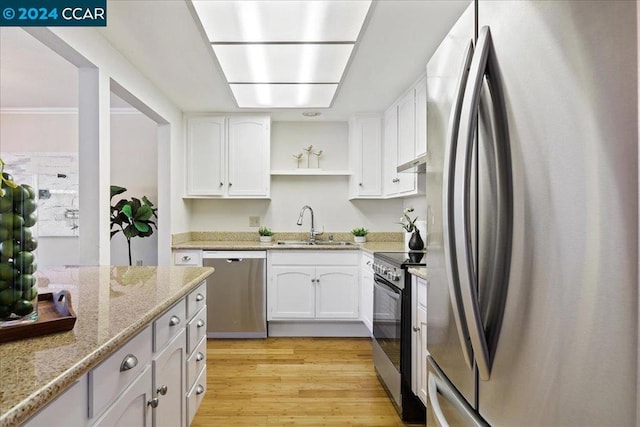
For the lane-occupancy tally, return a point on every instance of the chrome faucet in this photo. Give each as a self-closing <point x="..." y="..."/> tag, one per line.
<point x="313" y="233"/>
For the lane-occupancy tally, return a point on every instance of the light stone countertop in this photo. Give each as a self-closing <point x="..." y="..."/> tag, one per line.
<point x="243" y="245"/>
<point x="112" y="304"/>
<point x="419" y="271"/>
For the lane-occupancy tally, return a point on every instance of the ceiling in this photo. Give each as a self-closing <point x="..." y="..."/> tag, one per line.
<point x="168" y="46"/>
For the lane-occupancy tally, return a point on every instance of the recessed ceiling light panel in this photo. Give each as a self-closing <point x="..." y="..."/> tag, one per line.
<point x="283" y="95"/>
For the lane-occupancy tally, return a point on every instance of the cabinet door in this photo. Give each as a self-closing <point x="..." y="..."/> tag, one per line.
<point x="390" y="150"/>
<point x="337" y="293"/>
<point x="421" y="369"/>
<point x="169" y="383"/>
<point x="205" y="156"/>
<point x="249" y="156"/>
<point x="366" y="142"/>
<point x="406" y="128"/>
<point x="291" y="293"/>
<point x="131" y="408"/>
<point x="366" y="298"/>
<point x="68" y="409"/>
<point x="421" y="117"/>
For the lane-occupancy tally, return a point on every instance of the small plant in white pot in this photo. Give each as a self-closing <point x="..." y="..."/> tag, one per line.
<point x="265" y="234"/>
<point x="360" y="234"/>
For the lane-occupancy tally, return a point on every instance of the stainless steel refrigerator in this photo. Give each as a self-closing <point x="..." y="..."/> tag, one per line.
<point x="532" y="194"/>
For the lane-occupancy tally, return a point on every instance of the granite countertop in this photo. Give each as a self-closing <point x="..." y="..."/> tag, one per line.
<point x="419" y="271"/>
<point x="112" y="304"/>
<point x="248" y="241"/>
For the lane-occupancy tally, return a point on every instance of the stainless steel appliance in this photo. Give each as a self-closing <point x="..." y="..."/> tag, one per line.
<point x="392" y="329"/>
<point x="532" y="184"/>
<point x="236" y="294"/>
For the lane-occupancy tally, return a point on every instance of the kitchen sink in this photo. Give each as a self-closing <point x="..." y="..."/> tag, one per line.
<point x="316" y="243"/>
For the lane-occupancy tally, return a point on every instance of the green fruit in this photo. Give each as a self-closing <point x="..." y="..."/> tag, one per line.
<point x="4" y="285"/>
<point x="22" y="307"/>
<point x="25" y="207"/>
<point x="30" y="190"/>
<point x="30" y="220"/>
<point x="26" y="281"/>
<point x="29" y="245"/>
<point x="30" y="293"/>
<point x="22" y="235"/>
<point x="5" y="311"/>
<point x="20" y="193"/>
<point x="23" y="259"/>
<point x="9" y="248"/>
<point x="7" y="219"/>
<point x="9" y="296"/>
<point x="7" y="272"/>
<point x="4" y="234"/>
<point x="30" y="269"/>
<point x="7" y="176"/>
<point x="6" y="204"/>
<point x="18" y="222"/>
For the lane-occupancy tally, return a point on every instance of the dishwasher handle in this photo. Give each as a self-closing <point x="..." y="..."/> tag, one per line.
<point x="230" y="260"/>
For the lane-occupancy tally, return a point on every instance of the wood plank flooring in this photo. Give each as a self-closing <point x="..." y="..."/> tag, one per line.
<point x="293" y="382"/>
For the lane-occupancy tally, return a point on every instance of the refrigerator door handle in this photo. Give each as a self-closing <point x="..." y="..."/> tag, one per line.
<point x="447" y="207"/>
<point x="483" y="342"/>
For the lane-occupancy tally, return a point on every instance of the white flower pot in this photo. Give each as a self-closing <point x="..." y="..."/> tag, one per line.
<point x="265" y="239"/>
<point x="360" y="239"/>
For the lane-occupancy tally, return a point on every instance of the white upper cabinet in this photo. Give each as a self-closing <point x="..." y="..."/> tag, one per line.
<point x="421" y="117"/>
<point x="365" y="148"/>
<point x="228" y="156"/>
<point x="407" y="127"/>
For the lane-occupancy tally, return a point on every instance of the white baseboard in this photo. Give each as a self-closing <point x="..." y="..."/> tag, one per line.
<point x="317" y="329"/>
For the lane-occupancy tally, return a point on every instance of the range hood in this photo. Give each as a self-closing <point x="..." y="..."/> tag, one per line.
<point x="417" y="165"/>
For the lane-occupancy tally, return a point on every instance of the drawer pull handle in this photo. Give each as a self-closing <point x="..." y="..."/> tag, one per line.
<point x="416" y="329"/>
<point x="186" y="258"/>
<point x="199" y="357"/>
<point x="199" y="297"/>
<point x="129" y="362"/>
<point x="154" y="402"/>
<point x="175" y="320"/>
<point x="200" y="323"/>
<point x="163" y="390"/>
<point x="199" y="389"/>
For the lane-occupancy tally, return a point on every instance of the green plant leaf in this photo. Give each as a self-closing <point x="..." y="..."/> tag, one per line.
<point x="113" y="233"/>
<point x="130" y="232"/>
<point x="146" y="201"/>
<point x="115" y="190"/>
<point x="144" y="213"/>
<point x="127" y="210"/>
<point x="141" y="226"/>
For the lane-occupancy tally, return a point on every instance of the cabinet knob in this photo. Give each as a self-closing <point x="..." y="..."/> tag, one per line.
<point x="199" y="297"/>
<point x="200" y="323"/>
<point x="163" y="390"/>
<point x="153" y="402"/>
<point x="396" y="180"/>
<point x="199" y="389"/>
<point x="416" y="329"/>
<point x="221" y="184"/>
<point x="129" y="362"/>
<point x="199" y="357"/>
<point x="175" y="320"/>
<point x="186" y="258"/>
<point x="230" y="184"/>
<point x="360" y="184"/>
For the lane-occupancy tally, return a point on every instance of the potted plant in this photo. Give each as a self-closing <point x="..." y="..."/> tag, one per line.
<point x="132" y="217"/>
<point x="360" y="234"/>
<point x="265" y="234"/>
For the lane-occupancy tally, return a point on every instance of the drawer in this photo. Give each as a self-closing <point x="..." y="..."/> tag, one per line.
<point x="188" y="258"/>
<point x="196" y="363"/>
<point x="315" y="258"/>
<point x="422" y="292"/>
<point x="195" y="395"/>
<point x="196" y="300"/>
<point x="196" y="329"/>
<point x="111" y="377"/>
<point x="366" y="262"/>
<point x="168" y="325"/>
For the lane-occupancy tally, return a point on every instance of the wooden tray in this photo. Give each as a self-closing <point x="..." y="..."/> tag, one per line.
<point x="54" y="315"/>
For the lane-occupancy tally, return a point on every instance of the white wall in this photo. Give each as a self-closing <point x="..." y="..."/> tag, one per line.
<point x="43" y="131"/>
<point x="134" y="165"/>
<point x="327" y="195"/>
<point x="87" y="48"/>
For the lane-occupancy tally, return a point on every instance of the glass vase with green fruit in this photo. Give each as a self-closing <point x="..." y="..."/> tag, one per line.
<point x="18" y="287"/>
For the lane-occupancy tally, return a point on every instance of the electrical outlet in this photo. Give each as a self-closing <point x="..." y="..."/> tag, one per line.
<point x="254" y="221"/>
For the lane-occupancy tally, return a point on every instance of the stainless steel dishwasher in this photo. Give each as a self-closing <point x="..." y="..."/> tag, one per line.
<point x="236" y="294"/>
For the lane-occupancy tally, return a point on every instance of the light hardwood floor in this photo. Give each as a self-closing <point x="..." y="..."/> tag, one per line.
<point x="293" y="382"/>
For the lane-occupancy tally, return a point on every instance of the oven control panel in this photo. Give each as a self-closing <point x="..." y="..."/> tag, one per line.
<point x="390" y="273"/>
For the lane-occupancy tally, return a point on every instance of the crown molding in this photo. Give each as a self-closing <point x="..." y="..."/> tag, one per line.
<point x="63" y="110"/>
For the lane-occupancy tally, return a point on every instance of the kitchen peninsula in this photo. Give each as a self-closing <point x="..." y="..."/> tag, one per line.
<point x="114" y="307"/>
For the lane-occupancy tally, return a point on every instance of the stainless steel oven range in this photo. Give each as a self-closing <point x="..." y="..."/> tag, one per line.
<point x="392" y="329"/>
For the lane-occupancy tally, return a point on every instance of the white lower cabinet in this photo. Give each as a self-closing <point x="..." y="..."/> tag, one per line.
<point x="313" y="285"/>
<point x="366" y="291"/>
<point x="419" y="338"/>
<point x="144" y="382"/>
